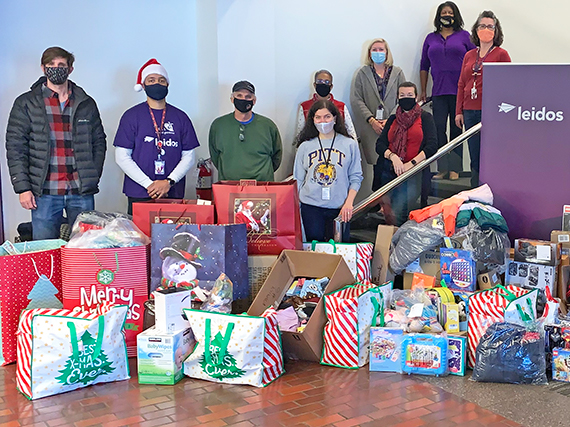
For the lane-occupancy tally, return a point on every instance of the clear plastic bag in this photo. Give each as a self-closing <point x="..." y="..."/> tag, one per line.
<point x="413" y="238"/>
<point x="221" y="296"/>
<point x="99" y="230"/>
<point x="413" y="311"/>
<point x="510" y="353"/>
<point x="489" y="247"/>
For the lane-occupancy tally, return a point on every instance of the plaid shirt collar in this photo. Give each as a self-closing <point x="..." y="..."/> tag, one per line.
<point x="48" y="93"/>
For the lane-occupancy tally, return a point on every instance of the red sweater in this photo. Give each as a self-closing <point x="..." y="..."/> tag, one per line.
<point x="415" y="138"/>
<point x="464" y="101"/>
<point x="309" y="103"/>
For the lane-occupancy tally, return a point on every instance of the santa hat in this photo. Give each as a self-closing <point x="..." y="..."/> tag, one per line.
<point x="248" y="204"/>
<point x="152" y="66"/>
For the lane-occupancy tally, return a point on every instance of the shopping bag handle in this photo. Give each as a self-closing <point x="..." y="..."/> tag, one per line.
<point x="98" y="343"/>
<point x="525" y="316"/>
<point x="510" y="296"/>
<point x="331" y="241"/>
<point x="208" y="340"/>
<point x="378" y="310"/>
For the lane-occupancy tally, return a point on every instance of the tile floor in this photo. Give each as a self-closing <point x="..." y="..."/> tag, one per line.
<point x="309" y="394"/>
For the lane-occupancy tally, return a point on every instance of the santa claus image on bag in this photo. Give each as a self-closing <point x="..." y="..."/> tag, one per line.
<point x="246" y="214"/>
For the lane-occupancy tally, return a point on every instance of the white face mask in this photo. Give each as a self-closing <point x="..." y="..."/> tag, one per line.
<point x="325" y="128"/>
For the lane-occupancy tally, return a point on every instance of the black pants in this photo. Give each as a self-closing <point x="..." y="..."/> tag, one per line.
<point x="135" y="200"/>
<point x="318" y="222"/>
<point x="471" y="118"/>
<point x="443" y="108"/>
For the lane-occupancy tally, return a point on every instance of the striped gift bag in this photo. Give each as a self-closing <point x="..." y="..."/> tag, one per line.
<point x="357" y="256"/>
<point x="498" y="304"/>
<point x="117" y="275"/>
<point x="351" y="311"/>
<point x="235" y="349"/>
<point x="63" y="350"/>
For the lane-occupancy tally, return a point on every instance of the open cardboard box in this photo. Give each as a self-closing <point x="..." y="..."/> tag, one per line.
<point x="307" y="345"/>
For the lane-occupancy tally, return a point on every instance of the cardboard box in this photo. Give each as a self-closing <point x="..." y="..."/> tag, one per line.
<point x="385" y="349"/>
<point x="291" y="264"/>
<point x="168" y="306"/>
<point x="258" y="268"/>
<point x="563" y="279"/>
<point x="533" y="275"/>
<point x="428" y="263"/>
<point x="450" y="317"/>
<point x="488" y="280"/>
<point x="566" y="218"/>
<point x="458" y="269"/>
<point x="563" y="238"/>
<point x="537" y="252"/>
<point x="161" y="354"/>
<point x="380" y="271"/>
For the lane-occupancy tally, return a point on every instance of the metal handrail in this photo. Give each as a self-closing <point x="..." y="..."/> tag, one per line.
<point x="375" y="197"/>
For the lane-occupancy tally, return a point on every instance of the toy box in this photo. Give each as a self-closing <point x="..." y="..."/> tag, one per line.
<point x="457" y="354"/>
<point x="386" y="349"/>
<point x="561" y="364"/>
<point x="424" y="354"/>
<point x="169" y="304"/>
<point x="450" y="317"/>
<point x="533" y="275"/>
<point x="537" y="251"/>
<point x="160" y="355"/>
<point x="458" y="269"/>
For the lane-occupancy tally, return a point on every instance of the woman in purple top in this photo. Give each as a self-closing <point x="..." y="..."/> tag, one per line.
<point x="443" y="53"/>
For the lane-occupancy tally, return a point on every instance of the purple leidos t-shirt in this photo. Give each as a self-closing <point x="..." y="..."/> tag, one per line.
<point x="136" y="132"/>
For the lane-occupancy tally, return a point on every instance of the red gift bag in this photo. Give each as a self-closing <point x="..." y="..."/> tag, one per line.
<point x="270" y="210"/>
<point x="171" y="211"/>
<point x="117" y="275"/>
<point x="30" y="277"/>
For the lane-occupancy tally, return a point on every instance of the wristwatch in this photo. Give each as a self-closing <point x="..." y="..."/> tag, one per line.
<point x="171" y="182"/>
<point x="413" y="162"/>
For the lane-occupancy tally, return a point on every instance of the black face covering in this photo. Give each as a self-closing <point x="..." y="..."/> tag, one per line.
<point x="57" y="75"/>
<point x="447" y="21"/>
<point x="156" y="91"/>
<point x="407" y="104"/>
<point x="243" y="105"/>
<point x="323" y="89"/>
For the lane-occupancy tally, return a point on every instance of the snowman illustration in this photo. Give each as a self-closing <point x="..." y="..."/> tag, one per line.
<point x="179" y="265"/>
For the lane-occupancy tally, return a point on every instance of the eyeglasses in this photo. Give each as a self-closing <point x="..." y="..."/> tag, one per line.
<point x="488" y="27"/>
<point x="241" y="135"/>
<point x="322" y="82"/>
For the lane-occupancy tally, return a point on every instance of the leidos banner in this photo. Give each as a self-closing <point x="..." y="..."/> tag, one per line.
<point x="525" y="144"/>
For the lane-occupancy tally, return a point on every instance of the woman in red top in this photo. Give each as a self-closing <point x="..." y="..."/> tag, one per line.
<point x="408" y="137"/>
<point x="488" y="36"/>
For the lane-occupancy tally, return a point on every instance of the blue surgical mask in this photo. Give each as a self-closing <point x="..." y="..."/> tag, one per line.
<point x="378" y="57"/>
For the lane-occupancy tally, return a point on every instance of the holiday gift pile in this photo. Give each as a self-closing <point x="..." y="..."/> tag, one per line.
<point x="356" y="255"/>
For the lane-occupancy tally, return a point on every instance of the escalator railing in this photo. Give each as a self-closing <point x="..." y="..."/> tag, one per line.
<point x="342" y="229"/>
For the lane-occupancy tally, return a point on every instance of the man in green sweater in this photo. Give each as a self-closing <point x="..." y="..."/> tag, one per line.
<point x="243" y="144"/>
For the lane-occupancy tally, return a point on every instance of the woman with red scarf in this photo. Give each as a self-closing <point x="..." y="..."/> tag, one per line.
<point x="408" y="137"/>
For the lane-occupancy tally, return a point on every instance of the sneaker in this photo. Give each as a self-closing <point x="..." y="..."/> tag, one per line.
<point x="440" y="175"/>
<point x="453" y="176"/>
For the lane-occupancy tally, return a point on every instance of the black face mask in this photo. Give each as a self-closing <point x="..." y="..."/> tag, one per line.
<point x="447" y="21"/>
<point x="57" y="75"/>
<point x="407" y="104"/>
<point x="156" y="91"/>
<point x="243" y="105"/>
<point x="323" y="89"/>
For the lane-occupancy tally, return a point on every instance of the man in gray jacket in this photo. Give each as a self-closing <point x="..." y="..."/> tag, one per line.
<point x="55" y="145"/>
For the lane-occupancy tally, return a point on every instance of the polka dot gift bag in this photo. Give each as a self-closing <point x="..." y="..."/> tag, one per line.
<point x="30" y="277"/>
<point x="235" y="349"/>
<point x="63" y="350"/>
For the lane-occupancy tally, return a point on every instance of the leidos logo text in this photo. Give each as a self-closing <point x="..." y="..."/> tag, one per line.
<point x="534" y="114"/>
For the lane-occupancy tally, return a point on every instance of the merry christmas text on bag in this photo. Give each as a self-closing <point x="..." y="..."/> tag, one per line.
<point x="30" y="277"/>
<point x="270" y="211"/>
<point x="235" y="349"/>
<point x="63" y="350"/>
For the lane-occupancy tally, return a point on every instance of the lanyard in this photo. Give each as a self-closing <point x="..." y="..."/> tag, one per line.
<point x="328" y="160"/>
<point x="156" y="129"/>
<point x="479" y="61"/>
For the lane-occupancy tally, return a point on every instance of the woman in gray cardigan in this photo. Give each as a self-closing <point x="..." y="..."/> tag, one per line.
<point x="374" y="95"/>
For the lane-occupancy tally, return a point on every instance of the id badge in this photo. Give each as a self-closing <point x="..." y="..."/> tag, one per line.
<point x="380" y="113"/>
<point x="159" y="167"/>
<point x="326" y="193"/>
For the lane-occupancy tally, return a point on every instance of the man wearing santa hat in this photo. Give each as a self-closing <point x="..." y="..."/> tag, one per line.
<point x="154" y="142"/>
<point x="244" y="215"/>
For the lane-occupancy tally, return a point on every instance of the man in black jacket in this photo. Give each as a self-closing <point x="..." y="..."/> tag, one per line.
<point x="55" y="145"/>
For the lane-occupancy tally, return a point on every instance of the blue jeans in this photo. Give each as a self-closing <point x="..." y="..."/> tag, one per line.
<point x="471" y="118"/>
<point x="48" y="217"/>
<point x="318" y="222"/>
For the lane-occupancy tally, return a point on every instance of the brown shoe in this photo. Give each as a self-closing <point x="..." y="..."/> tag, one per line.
<point x="440" y="175"/>
<point x="453" y="176"/>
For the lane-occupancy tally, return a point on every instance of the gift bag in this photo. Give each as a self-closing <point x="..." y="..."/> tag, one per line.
<point x="171" y="211"/>
<point x="235" y="349"/>
<point x="351" y="311"/>
<point x="270" y="211"/>
<point x="69" y="349"/>
<point x="498" y="304"/>
<point x="30" y="277"/>
<point x="191" y="255"/>
<point x="356" y="255"/>
<point x="117" y="275"/>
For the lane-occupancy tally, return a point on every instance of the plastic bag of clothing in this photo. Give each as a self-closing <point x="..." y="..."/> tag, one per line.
<point x="94" y="229"/>
<point x="510" y="353"/>
<point x="489" y="247"/>
<point x="413" y="238"/>
<point x="221" y="296"/>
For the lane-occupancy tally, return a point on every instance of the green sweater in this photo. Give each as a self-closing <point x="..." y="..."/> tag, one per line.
<point x="256" y="157"/>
